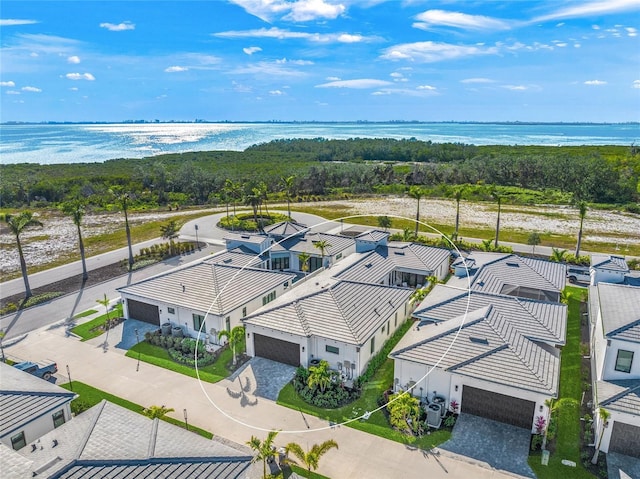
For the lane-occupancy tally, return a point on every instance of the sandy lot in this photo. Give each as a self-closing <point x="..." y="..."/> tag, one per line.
<point x="58" y="237"/>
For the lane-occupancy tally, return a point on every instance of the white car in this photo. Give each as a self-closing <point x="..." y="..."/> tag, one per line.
<point x="577" y="274"/>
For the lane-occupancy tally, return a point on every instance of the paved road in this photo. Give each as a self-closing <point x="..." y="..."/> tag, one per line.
<point x="359" y="454"/>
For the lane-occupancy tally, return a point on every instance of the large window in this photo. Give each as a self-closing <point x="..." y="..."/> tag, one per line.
<point x="373" y="345"/>
<point x="268" y="298"/>
<point x="624" y="360"/>
<point x="18" y="441"/>
<point x="198" y="321"/>
<point x="58" y="418"/>
<point x="332" y="349"/>
<point x="314" y="263"/>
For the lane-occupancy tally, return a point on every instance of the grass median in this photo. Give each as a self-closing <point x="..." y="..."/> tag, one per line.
<point x="158" y="356"/>
<point x="90" y="396"/>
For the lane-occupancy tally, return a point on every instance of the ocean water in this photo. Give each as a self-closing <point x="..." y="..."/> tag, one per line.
<point x="88" y="143"/>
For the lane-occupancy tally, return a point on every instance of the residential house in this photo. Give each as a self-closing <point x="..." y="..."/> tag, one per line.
<point x="108" y="441"/>
<point x="285" y="253"/>
<point x="496" y="355"/>
<point x="30" y="407"/>
<point x="208" y="295"/>
<point x="608" y="268"/>
<point x="614" y="312"/>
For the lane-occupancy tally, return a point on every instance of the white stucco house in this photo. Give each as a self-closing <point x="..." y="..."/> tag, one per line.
<point x="30" y="407"/>
<point x="208" y="295"/>
<point x="497" y="356"/>
<point x="608" y="268"/>
<point x="614" y="312"/>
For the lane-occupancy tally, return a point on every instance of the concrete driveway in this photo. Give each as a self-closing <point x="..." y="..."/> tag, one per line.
<point x="622" y="467"/>
<point x="500" y="446"/>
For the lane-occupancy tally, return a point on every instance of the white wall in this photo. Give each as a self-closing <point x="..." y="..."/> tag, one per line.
<point x="39" y="426"/>
<point x="611" y="354"/>
<point x="251" y="330"/>
<point x="606" y="433"/>
<point x="606" y="276"/>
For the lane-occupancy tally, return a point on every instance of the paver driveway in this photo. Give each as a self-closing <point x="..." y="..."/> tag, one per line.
<point x="501" y="446"/>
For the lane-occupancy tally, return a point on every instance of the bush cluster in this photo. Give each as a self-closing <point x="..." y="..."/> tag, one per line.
<point x="182" y="350"/>
<point x="246" y="221"/>
<point x="334" y="396"/>
<point x="166" y="250"/>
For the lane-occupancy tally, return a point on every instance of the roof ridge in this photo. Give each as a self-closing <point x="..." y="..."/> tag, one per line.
<point x="217" y="291"/>
<point x="301" y="316"/>
<point x="153" y="437"/>
<point x="89" y="431"/>
<point x="522" y="305"/>
<point x="477" y="358"/>
<point x="347" y="321"/>
<point x="624" y="327"/>
<point x="621" y="394"/>
<point x="526" y="262"/>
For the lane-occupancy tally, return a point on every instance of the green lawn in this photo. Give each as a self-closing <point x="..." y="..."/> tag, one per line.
<point x="568" y="436"/>
<point x="89" y="330"/>
<point x="158" y="356"/>
<point x="90" y="396"/>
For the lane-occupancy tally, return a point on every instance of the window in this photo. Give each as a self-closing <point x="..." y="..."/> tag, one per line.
<point x="338" y="256"/>
<point x="332" y="349"/>
<point x="18" y="441"/>
<point x="624" y="360"/>
<point x="280" y="263"/>
<point x="227" y="323"/>
<point x="383" y="328"/>
<point x="198" y="322"/>
<point x="268" y="298"/>
<point x="396" y="322"/>
<point x="373" y="345"/>
<point x="171" y="311"/>
<point x="388" y="327"/>
<point x="314" y="263"/>
<point x="244" y="312"/>
<point x="58" y="418"/>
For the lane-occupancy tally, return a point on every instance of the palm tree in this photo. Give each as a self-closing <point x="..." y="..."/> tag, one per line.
<point x="498" y="197"/>
<point x="159" y="412"/>
<point x="384" y="222"/>
<point x="604" y="417"/>
<point x="458" y="193"/>
<point x="76" y="210"/>
<point x="253" y="199"/>
<point x="264" y="196"/>
<point x="303" y="259"/>
<point x="311" y="458"/>
<point x="417" y="193"/>
<point x="105" y="302"/>
<point x="408" y="235"/>
<point x="319" y="376"/>
<point x="558" y="255"/>
<point x="17" y="224"/>
<point x="287" y="187"/>
<point x="123" y="200"/>
<point x="234" y="338"/>
<point x="264" y="450"/>
<point x="404" y="410"/>
<point x="486" y="245"/>
<point x="582" y="210"/>
<point x="233" y="189"/>
<point x="322" y="245"/>
<point x="533" y="240"/>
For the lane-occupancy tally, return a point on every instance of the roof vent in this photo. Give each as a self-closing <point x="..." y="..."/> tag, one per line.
<point x="515" y="265"/>
<point x="368" y="265"/>
<point x="475" y="339"/>
<point x="228" y="260"/>
<point x="401" y="253"/>
<point x="245" y="237"/>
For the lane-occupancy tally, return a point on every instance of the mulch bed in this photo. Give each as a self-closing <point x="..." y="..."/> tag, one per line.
<point x="71" y="284"/>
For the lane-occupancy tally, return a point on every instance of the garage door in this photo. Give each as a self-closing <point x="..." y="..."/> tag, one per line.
<point x="499" y="407"/>
<point x="143" y="311"/>
<point x="276" y="349"/>
<point x="625" y="439"/>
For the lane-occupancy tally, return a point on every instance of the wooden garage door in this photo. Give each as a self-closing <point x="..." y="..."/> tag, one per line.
<point x="143" y="311"/>
<point x="276" y="349"/>
<point x="499" y="407"/>
<point x="625" y="439"/>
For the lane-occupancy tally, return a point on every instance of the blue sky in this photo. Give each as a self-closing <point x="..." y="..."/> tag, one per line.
<point x="322" y="60"/>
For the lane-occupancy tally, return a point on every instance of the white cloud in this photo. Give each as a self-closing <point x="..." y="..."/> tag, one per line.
<point x="577" y="45"/>
<point x="73" y="59"/>
<point x="635" y="84"/>
<point x="477" y="80"/>
<point x="32" y="89"/>
<point x="436" y="18"/>
<point x="12" y="92"/>
<point x="595" y="82"/>
<point x="396" y="75"/>
<point x="357" y="84"/>
<point x="298" y="11"/>
<point x="597" y="8"/>
<point x="268" y="69"/>
<point x="295" y="62"/>
<point x="282" y="34"/>
<point x="120" y="27"/>
<point x="33" y="54"/>
<point x="276" y="92"/>
<point x="333" y="78"/>
<point x="632" y="32"/>
<point x="429" y="52"/>
<point x="251" y="50"/>
<point x="560" y="24"/>
<point x="426" y="87"/>
<point x="515" y="87"/>
<point x="80" y="76"/>
<point x="174" y="69"/>
<point x="11" y="22"/>
<point x="7" y="83"/>
<point x="73" y="88"/>
<point x="595" y="27"/>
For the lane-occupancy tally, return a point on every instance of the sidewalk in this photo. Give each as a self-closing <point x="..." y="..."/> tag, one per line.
<point x="219" y="409"/>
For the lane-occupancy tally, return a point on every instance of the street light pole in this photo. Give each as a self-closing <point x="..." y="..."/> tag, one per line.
<point x="69" y="375"/>
<point x="197" y="242"/>
<point x="186" y="424"/>
<point x="137" y="341"/>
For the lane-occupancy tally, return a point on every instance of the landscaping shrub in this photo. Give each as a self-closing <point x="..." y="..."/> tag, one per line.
<point x="335" y="395"/>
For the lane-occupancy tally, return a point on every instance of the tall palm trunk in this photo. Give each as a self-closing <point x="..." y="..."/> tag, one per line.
<point x="457" y="217"/>
<point x="495" y="244"/>
<point x="85" y="275"/>
<point x="579" y="243"/>
<point x="417" y="219"/>
<point x="23" y="268"/>
<point x="128" y="231"/>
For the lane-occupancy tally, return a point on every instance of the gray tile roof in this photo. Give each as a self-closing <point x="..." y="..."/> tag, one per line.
<point x="14" y="465"/>
<point x="345" y="311"/>
<point x="515" y="270"/>
<point x="305" y="244"/>
<point x="109" y="436"/>
<point x="24" y="397"/>
<point x="207" y="285"/>
<point x="609" y="262"/>
<point x="489" y="337"/>
<point x="621" y="396"/>
<point x="411" y="257"/>
<point x="246" y="238"/>
<point x="620" y="308"/>
<point x="285" y="228"/>
<point x="234" y="257"/>
<point x="373" y="235"/>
